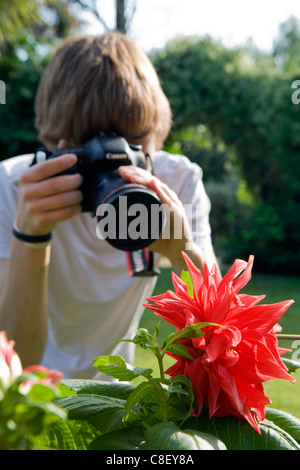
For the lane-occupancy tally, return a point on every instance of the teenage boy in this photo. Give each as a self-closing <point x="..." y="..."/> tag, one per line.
<point x="69" y="299"/>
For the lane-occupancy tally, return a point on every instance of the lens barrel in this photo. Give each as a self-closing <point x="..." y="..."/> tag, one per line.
<point x="130" y="217"/>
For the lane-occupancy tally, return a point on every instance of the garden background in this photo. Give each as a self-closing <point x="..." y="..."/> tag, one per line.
<point x="233" y="114"/>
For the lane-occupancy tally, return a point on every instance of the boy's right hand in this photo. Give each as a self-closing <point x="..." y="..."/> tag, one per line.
<point x="46" y="197"/>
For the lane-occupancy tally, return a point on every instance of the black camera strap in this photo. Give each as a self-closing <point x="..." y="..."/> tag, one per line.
<point x="140" y="263"/>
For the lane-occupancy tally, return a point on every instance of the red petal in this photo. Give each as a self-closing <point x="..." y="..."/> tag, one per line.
<point x="253" y="394"/>
<point x="179" y="286"/>
<point x="227" y="382"/>
<point x="245" y="277"/>
<point x="250" y="300"/>
<point x="257" y="362"/>
<point x="196" y="276"/>
<point x="250" y="416"/>
<point x="235" y="269"/>
<point x="199" y="378"/>
<point x="261" y="318"/>
<point x="213" y="394"/>
<point x="223" y="308"/>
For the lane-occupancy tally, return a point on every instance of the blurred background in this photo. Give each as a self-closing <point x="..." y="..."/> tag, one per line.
<point x="227" y="68"/>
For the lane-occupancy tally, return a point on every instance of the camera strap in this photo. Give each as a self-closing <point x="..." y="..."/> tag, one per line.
<point x="140" y="263"/>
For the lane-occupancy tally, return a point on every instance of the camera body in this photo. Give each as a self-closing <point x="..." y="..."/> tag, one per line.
<point x="111" y="198"/>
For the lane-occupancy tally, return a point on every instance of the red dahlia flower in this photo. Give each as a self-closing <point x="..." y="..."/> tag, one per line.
<point x="232" y="360"/>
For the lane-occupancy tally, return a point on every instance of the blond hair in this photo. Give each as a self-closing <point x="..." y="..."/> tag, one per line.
<point x="100" y="83"/>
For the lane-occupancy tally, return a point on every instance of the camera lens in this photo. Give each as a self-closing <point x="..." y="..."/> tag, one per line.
<point x="130" y="217"/>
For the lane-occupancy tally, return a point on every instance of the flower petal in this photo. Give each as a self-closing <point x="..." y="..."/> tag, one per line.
<point x="231" y="361"/>
<point x="196" y="276"/>
<point x="199" y="379"/>
<point x="257" y="362"/>
<point x="245" y="277"/>
<point x="234" y="271"/>
<point x="260" y="318"/>
<point x="4" y="373"/>
<point x="227" y="383"/>
<point x="50" y="376"/>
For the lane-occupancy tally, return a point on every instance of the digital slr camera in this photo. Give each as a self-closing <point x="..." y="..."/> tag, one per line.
<point x="124" y="210"/>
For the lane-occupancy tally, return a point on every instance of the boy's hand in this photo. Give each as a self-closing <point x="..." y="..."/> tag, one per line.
<point x="46" y="199"/>
<point x="177" y="219"/>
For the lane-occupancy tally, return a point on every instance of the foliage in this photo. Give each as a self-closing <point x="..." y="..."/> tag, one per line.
<point x="41" y="18"/>
<point x="244" y="99"/>
<point x="286" y="45"/>
<point x="14" y="15"/>
<point x="122" y="416"/>
<point x="25" y="413"/>
<point x="21" y="70"/>
<point x="154" y="414"/>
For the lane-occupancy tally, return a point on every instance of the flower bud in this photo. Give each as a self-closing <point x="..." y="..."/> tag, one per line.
<point x="141" y="337"/>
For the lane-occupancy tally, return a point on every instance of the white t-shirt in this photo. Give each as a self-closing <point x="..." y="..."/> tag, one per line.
<point x="93" y="301"/>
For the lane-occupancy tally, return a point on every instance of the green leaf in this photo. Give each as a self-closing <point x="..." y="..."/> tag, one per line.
<point x="67" y="435"/>
<point x="174" y="389"/>
<point x="280" y="439"/>
<point x="116" y="367"/>
<point x="102" y="412"/>
<point x="237" y="434"/>
<point x="187" y="279"/>
<point x="146" y="394"/>
<point x="285" y="421"/>
<point x="178" y="408"/>
<point x="97" y="387"/>
<point x="156" y="333"/>
<point x="290" y="364"/>
<point x="168" y="436"/>
<point x="32" y="417"/>
<point x="183" y="380"/>
<point x="123" y="439"/>
<point x="190" y="331"/>
<point x="179" y="349"/>
<point x="40" y="392"/>
<point x="65" y="391"/>
<point x="143" y="391"/>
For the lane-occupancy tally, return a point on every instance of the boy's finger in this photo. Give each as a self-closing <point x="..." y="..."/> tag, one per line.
<point x="49" y="168"/>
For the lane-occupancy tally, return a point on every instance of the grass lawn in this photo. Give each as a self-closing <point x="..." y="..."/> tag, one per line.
<point x="284" y="395"/>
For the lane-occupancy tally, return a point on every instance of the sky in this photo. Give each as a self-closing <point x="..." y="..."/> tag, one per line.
<point x="231" y="21"/>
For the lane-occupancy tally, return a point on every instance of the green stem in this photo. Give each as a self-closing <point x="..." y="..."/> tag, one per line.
<point x="290" y="337"/>
<point x="159" y="355"/>
<point x="159" y="390"/>
<point x="160" y="364"/>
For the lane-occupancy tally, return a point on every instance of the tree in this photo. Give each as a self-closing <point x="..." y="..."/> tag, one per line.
<point x="21" y="74"/>
<point x="249" y="109"/>
<point x="15" y="15"/>
<point x="120" y="16"/>
<point x="42" y="19"/>
<point x="287" y="45"/>
<point x="124" y="12"/>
